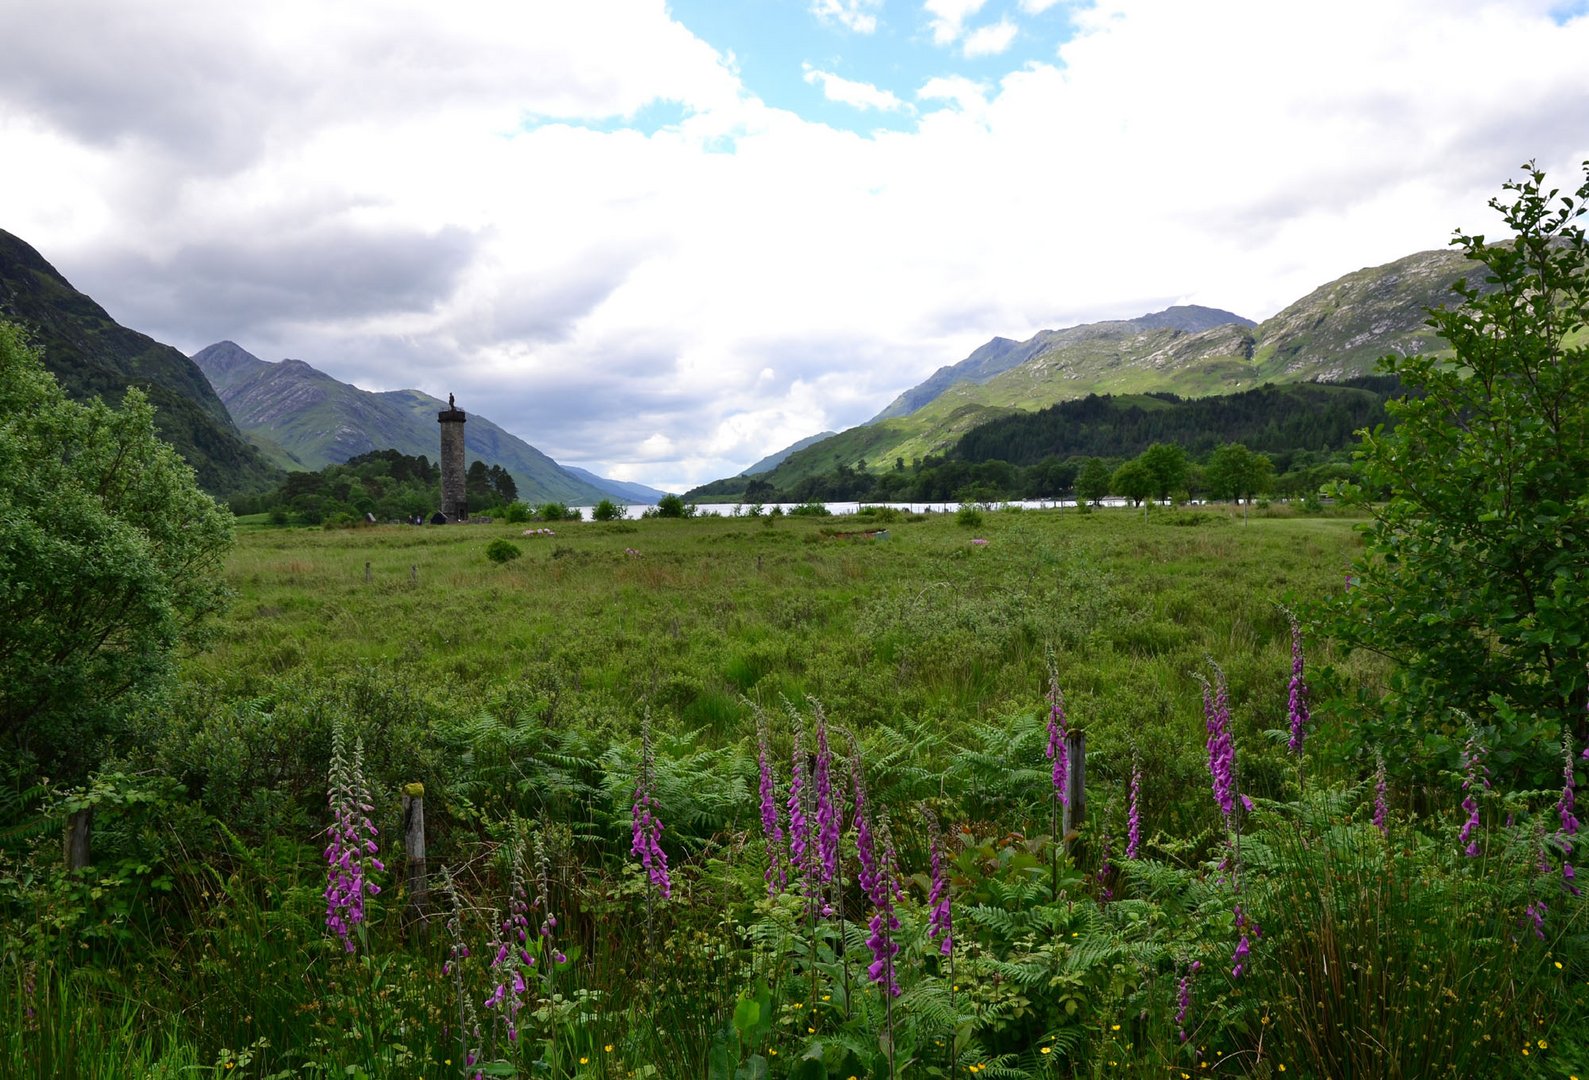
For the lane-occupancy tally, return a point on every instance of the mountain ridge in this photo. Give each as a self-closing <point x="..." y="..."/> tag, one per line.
<point x="1336" y="331"/>
<point x="1001" y="354"/>
<point x="92" y="355"/>
<point x="308" y="419"/>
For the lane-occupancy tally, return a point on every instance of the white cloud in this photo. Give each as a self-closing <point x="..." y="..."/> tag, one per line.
<point x="968" y="94"/>
<point x="855" y="15"/>
<point x="860" y="95"/>
<point x="947" y="17"/>
<point x="447" y="198"/>
<point x="1037" y="7"/>
<point x="990" y="40"/>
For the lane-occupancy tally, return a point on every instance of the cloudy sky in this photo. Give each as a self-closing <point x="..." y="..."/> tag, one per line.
<point x="661" y="240"/>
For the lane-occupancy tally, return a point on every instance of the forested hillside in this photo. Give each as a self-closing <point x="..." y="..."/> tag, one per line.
<point x="1273" y="419"/>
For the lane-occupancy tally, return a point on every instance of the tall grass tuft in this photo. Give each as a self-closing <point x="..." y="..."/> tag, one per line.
<point x="1395" y="956"/>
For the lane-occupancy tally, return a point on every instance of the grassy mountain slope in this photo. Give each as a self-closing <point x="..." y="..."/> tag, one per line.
<point x="773" y="460"/>
<point x="1002" y="354"/>
<point x="315" y="420"/>
<point x="1335" y="332"/>
<point x="93" y="356"/>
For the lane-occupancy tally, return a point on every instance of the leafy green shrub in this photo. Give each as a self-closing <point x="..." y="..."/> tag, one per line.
<point x="606" y="510"/>
<point x="968" y="515"/>
<point x="553" y="511"/>
<point x="885" y="515"/>
<point x="515" y="512"/>
<point x="811" y="508"/>
<point x="111" y="562"/>
<point x="503" y="550"/>
<point x="1475" y="574"/>
<point x="674" y="506"/>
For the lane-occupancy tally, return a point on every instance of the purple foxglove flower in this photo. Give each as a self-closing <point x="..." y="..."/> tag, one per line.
<point x="1134" y="814"/>
<point x="1184" y="1004"/>
<point x="1475" y="775"/>
<point x="865" y="849"/>
<point x="1381" y="804"/>
<point x="940" y="919"/>
<point x="1297" y="708"/>
<point x="1536" y="913"/>
<point x="1567" y="803"/>
<point x="1221" y="747"/>
<point x="884" y="949"/>
<point x="1239" y="957"/>
<point x="647" y="825"/>
<point x="799" y="824"/>
<point x="1245" y="926"/>
<point x="828" y="813"/>
<point x="350" y="852"/>
<point x="1056" y="751"/>
<point x="771" y="828"/>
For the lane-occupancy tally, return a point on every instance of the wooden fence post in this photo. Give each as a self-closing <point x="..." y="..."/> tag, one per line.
<point x="413" y="575"/>
<point x="1075" y="784"/>
<point x="79" y="827"/>
<point x="414" y="846"/>
<point x="366" y="571"/>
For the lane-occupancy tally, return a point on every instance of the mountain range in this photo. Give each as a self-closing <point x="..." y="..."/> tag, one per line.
<point x="303" y="418"/>
<point x="91" y="355"/>
<point x="241" y="422"/>
<point x="1336" y="332"/>
<point x="260" y="418"/>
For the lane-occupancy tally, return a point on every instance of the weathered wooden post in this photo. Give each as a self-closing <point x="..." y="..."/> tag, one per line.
<point x="413" y="575"/>
<point x="414" y="846"/>
<point x="1075" y="784"/>
<point x="366" y="571"/>
<point x="79" y="827"/>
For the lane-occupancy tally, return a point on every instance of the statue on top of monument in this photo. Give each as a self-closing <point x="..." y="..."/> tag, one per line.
<point x="451" y="404"/>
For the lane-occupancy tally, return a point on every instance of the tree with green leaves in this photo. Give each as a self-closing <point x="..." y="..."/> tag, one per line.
<point x="1476" y="577"/>
<point x="1092" y="483"/>
<point x="1235" y="472"/>
<point x="1132" y="481"/>
<point x="1166" y="464"/>
<point x="110" y="561"/>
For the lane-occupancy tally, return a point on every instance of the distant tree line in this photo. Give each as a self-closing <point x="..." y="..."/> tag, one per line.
<point x="386" y="484"/>
<point x="1271" y="419"/>
<point x="1289" y="440"/>
<point x="1229" y="471"/>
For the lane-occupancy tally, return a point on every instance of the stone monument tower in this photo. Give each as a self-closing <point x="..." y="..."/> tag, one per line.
<point x="454" y="494"/>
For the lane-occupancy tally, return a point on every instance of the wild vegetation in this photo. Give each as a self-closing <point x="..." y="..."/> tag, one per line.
<point x="787" y="796"/>
<point x="384" y="484"/>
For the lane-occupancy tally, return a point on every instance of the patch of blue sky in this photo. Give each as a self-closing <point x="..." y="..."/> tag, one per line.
<point x="1568" y="10"/>
<point x="648" y="120"/>
<point x="827" y="72"/>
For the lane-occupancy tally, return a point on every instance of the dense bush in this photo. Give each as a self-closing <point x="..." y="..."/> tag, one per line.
<point x="1476" y="580"/>
<point x="502" y="550"/>
<point x="110" y="558"/>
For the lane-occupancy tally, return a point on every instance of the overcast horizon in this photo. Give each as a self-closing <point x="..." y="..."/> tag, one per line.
<point x="660" y="241"/>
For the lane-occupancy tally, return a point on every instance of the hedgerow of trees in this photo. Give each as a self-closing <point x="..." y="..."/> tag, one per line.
<point x="110" y="559"/>
<point x="387" y="484"/>
<point x="1305" y="431"/>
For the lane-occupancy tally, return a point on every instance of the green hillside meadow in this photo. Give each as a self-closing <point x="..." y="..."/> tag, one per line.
<point x="517" y="692"/>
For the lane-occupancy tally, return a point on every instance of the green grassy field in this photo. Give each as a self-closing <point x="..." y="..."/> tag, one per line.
<point x="516" y="694"/>
<point x="689" y="617"/>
